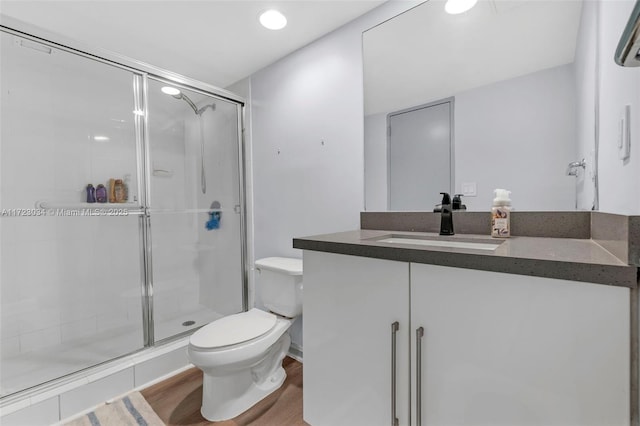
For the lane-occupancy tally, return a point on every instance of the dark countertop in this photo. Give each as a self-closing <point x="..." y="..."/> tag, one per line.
<point x="562" y="258"/>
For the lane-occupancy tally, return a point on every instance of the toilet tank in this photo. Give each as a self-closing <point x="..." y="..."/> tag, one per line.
<point x="280" y="282"/>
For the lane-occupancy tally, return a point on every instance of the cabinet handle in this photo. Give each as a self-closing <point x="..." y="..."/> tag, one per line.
<point x="394" y="330"/>
<point x="419" y="335"/>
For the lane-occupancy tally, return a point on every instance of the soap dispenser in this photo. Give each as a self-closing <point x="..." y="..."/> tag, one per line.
<point x="457" y="202"/>
<point x="446" y="215"/>
<point x="501" y="214"/>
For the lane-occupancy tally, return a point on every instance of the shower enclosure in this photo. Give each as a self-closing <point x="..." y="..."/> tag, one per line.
<point x="84" y="282"/>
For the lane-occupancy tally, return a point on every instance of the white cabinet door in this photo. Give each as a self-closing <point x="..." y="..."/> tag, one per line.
<point x="350" y="304"/>
<point x="502" y="349"/>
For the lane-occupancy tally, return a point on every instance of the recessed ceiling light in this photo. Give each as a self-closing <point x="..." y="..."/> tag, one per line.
<point x="170" y="90"/>
<point x="273" y="20"/>
<point x="455" y="7"/>
<point x="100" y="138"/>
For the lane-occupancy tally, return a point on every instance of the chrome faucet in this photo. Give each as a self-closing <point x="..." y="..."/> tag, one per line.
<point x="446" y="215"/>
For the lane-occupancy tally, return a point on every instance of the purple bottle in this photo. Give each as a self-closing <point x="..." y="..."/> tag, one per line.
<point x="91" y="194"/>
<point x="101" y="193"/>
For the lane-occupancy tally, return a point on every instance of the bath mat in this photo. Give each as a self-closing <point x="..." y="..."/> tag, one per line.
<point x="132" y="410"/>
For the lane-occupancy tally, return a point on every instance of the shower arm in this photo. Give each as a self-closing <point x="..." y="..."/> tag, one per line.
<point x="187" y="100"/>
<point x="192" y="105"/>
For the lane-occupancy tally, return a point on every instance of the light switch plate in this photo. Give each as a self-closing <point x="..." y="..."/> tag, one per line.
<point x="469" y="189"/>
<point x="624" y="136"/>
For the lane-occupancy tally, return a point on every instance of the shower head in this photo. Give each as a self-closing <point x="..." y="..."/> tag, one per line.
<point x="176" y="93"/>
<point x="201" y="110"/>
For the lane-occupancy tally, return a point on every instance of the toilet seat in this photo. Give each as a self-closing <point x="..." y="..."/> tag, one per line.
<point x="233" y="329"/>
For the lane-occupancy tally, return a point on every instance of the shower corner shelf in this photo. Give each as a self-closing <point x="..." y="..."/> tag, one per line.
<point x="43" y="204"/>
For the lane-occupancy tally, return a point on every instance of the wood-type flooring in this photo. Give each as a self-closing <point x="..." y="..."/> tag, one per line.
<point x="177" y="401"/>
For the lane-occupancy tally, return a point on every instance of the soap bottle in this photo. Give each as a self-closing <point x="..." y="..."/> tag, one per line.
<point x="101" y="193"/>
<point x="91" y="194"/>
<point x="112" y="190"/>
<point x="501" y="214"/>
<point x="118" y="191"/>
<point x="126" y="181"/>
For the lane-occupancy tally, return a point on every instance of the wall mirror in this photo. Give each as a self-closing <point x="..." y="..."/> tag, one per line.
<point x="522" y="81"/>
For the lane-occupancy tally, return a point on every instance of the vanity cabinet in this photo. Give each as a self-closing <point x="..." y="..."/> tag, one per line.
<point x="350" y="304"/>
<point x="495" y="348"/>
<point x="505" y="349"/>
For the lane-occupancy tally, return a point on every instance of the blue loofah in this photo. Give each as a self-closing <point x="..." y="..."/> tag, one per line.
<point x="213" y="222"/>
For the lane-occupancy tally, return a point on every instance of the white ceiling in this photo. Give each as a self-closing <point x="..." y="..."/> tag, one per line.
<point x="426" y="54"/>
<point x="214" y="41"/>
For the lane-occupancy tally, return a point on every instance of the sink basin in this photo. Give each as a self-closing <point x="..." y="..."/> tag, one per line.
<point x="481" y="244"/>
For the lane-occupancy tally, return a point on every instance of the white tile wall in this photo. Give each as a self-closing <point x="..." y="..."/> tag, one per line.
<point x="120" y="317"/>
<point x="40" y="339"/>
<point x="77" y="329"/>
<point x="10" y="346"/>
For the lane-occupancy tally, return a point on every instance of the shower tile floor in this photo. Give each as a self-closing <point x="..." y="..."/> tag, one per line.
<point x="30" y="369"/>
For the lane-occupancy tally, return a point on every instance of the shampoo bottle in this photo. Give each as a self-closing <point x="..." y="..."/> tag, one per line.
<point x="101" y="194"/>
<point x="501" y="214"/>
<point x="91" y="194"/>
<point x="118" y="191"/>
<point x="112" y="190"/>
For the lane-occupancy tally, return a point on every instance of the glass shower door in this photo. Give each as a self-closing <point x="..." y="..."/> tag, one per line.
<point x="70" y="281"/>
<point x="194" y="206"/>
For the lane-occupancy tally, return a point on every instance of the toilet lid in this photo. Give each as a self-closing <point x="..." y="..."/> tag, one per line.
<point x="284" y="265"/>
<point x="233" y="329"/>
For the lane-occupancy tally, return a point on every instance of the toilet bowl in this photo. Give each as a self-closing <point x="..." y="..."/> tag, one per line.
<point x="241" y="355"/>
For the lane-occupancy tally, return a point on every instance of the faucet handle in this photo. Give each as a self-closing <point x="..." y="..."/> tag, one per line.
<point x="446" y="199"/>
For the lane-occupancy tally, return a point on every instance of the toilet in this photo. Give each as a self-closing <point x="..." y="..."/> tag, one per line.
<point x="241" y="355"/>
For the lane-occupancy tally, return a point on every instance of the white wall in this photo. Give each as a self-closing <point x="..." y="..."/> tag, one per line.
<point x="619" y="86"/>
<point x="308" y="157"/>
<point x="518" y="134"/>
<point x="375" y="162"/>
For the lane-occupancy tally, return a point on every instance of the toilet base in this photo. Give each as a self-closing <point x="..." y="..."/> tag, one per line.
<point x="213" y="411"/>
<point x="227" y="395"/>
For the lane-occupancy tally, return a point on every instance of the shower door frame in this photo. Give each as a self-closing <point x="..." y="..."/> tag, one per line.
<point x="141" y="72"/>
